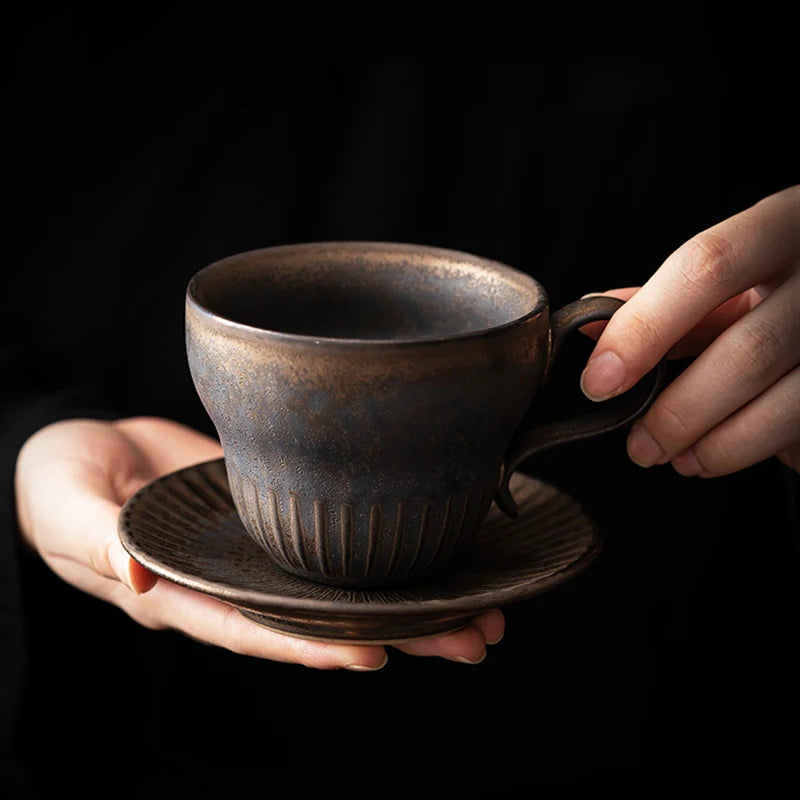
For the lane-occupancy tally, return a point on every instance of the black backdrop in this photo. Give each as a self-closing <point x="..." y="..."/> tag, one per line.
<point x="582" y="150"/>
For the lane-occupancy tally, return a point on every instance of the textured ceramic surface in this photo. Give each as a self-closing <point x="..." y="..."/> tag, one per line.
<point x="364" y="395"/>
<point x="368" y="398"/>
<point x="184" y="527"/>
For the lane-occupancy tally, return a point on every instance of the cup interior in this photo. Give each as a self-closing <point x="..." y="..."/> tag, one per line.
<point x="365" y="291"/>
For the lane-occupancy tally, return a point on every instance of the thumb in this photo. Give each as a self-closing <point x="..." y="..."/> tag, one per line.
<point x="68" y="508"/>
<point x="606" y="374"/>
<point x="594" y="329"/>
<point x="104" y="552"/>
<point x="80" y="520"/>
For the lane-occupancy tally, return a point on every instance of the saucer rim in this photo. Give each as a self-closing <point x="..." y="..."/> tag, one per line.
<point x="363" y="602"/>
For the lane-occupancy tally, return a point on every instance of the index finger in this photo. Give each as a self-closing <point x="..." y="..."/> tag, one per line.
<point x="709" y="269"/>
<point x="207" y="619"/>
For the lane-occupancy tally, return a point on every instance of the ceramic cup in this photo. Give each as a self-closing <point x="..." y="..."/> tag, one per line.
<point x="369" y="398"/>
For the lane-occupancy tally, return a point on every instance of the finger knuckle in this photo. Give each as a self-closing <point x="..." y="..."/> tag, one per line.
<point x="149" y="621"/>
<point x="787" y="404"/>
<point x="756" y="347"/>
<point x="670" y="426"/>
<point x="716" y="455"/>
<point x="642" y="328"/>
<point x="707" y="261"/>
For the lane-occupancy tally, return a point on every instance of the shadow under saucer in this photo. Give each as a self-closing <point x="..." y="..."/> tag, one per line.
<point x="184" y="527"/>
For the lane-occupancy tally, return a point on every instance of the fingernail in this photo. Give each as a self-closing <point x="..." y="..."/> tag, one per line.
<point x="686" y="463"/>
<point x="140" y="580"/>
<point x="497" y="640"/>
<point x="643" y="449"/>
<point x="130" y="580"/>
<point x="592" y="294"/>
<point x="603" y="376"/>
<point x="368" y="667"/>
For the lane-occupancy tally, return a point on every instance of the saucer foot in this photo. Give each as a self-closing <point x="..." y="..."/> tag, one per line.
<point x="361" y="630"/>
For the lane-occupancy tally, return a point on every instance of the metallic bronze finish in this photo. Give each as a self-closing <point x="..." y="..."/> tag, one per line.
<point x="365" y="395"/>
<point x="185" y="528"/>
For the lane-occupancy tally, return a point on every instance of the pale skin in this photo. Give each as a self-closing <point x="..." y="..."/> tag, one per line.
<point x="72" y="479"/>
<point x="730" y="294"/>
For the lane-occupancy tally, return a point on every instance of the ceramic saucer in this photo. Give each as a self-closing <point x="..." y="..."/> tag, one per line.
<point x="184" y="527"/>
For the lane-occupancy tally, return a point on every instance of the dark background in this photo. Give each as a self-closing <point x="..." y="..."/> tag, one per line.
<point x="583" y="149"/>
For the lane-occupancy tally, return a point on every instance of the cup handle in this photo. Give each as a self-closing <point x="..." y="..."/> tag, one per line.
<point x="632" y="404"/>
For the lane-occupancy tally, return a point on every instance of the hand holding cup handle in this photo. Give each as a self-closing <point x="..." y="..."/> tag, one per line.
<point x="530" y="440"/>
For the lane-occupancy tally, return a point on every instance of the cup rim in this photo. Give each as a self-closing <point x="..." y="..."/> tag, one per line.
<point x="364" y="246"/>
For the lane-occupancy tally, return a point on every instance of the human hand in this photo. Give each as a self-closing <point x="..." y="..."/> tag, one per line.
<point x="732" y="294"/>
<point x="72" y="479"/>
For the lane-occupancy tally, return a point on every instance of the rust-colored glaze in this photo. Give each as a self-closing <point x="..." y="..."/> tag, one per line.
<point x="365" y="395"/>
<point x="185" y="528"/>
